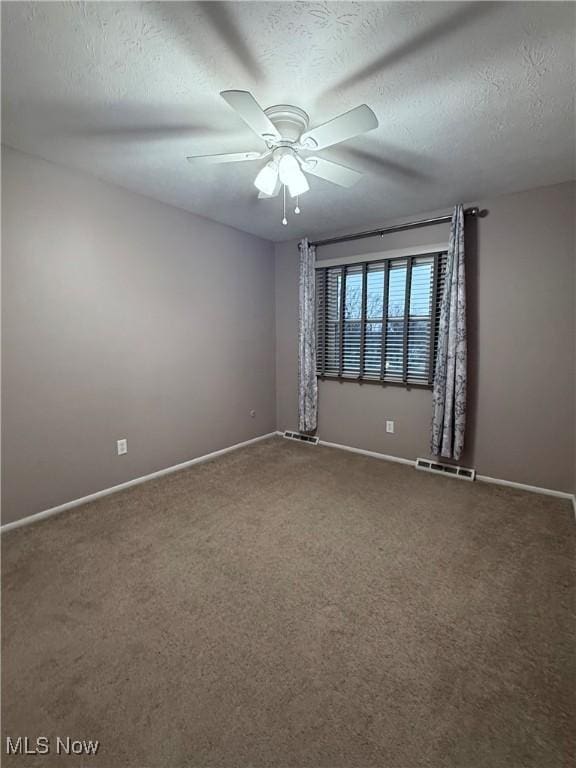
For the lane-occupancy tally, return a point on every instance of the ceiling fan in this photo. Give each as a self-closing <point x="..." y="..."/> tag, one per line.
<point x="289" y="142"/>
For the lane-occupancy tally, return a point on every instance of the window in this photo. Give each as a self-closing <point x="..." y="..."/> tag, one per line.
<point x="378" y="321"/>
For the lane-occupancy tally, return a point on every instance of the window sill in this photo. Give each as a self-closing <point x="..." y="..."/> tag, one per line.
<point x="380" y="382"/>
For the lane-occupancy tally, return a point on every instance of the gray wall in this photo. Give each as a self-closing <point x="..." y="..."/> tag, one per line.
<point x="522" y="327"/>
<point x="123" y="317"/>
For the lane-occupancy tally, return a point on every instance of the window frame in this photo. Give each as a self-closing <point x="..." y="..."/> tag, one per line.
<point x="438" y="256"/>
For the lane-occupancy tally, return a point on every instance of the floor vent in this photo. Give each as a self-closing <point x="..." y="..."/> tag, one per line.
<point x="450" y="470"/>
<point x="301" y="438"/>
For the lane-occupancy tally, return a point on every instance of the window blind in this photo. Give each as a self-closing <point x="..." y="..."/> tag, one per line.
<point x="378" y="321"/>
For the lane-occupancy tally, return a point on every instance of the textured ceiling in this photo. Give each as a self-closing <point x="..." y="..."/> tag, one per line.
<point x="473" y="99"/>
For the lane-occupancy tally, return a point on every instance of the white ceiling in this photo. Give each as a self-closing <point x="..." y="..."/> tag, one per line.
<point x="473" y="99"/>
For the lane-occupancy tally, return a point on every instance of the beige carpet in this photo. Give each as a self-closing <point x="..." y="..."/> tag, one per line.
<point x="287" y="606"/>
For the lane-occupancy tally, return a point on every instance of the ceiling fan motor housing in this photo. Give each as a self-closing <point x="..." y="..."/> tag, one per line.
<point x="290" y="121"/>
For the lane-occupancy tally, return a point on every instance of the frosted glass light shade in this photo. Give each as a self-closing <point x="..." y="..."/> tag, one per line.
<point x="291" y="175"/>
<point x="298" y="185"/>
<point x="267" y="178"/>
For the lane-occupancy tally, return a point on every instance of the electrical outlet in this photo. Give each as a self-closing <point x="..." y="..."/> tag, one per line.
<point x="252" y="414"/>
<point x="390" y="427"/>
<point x="122" y="446"/>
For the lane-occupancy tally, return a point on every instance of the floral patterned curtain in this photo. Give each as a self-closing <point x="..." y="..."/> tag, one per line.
<point x="449" y="397"/>
<point x="307" y="384"/>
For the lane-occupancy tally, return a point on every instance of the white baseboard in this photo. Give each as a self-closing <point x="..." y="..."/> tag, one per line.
<point x="373" y="454"/>
<point x="128" y="484"/>
<point x="361" y="451"/>
<point x="207" y="457"/>
<point x="524" y="487"/>
<point x="482" y="478"/>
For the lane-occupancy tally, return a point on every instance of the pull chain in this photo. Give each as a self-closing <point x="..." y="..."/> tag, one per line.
<point x="284" y="220"/>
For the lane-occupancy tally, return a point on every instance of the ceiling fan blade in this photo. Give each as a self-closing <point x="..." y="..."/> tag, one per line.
<point x="346" y="126"/>
<point x="252" y="113"/>
<point x="231" y="157"/>
<point x="330" y="171"/>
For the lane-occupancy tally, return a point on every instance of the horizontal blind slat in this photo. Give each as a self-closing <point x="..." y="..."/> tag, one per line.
<point x="372" y="324"/>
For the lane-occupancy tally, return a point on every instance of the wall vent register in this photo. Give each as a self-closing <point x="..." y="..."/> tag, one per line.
<point x="450" y="470"/>
<point x="378" y="321"/>
<point x="301" y="438"/>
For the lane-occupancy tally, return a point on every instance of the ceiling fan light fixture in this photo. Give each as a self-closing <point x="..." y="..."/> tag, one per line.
<point x="267" y="178"/>
<point x="291" y="175"/>
<point x="298" y="185"/>
<point x="288" y="167"/>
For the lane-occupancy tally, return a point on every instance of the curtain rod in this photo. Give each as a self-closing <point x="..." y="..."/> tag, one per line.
<point x="396" y="228"/>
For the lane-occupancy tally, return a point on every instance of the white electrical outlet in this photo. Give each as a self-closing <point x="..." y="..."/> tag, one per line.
<point x="390" y="427"/>
<point x="122" y="446"/>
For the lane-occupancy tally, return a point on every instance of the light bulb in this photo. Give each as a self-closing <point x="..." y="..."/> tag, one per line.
<point x="297" y="210"/>
<point x="267" y="178"/>
<point x="285" y="221"/>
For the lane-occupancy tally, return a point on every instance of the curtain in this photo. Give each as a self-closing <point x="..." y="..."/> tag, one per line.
<point x="307" y="384"/>
<point x="449" y="396"/>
